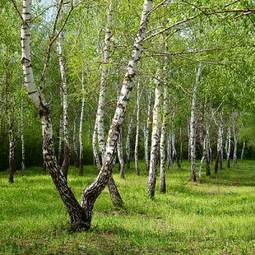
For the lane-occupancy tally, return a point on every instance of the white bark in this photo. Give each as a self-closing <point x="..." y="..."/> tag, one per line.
<point x="192" y="142"/>
<point x="228" y="145"/>
<point x="120" y="155"/>
<point x="218" y="162"/>
<point x="163" y="144"/>
<point x="128" y="143"/>
<point x="138" y="95"/>
<point x="99" y="123"/>
<point x="23" y="166"/>
<point x="154" y="141"/>
<point x="81" y="124"/>
<point x="75" y="140"/>
<point x="234" y="127"/>
<point x="147" y="125"/>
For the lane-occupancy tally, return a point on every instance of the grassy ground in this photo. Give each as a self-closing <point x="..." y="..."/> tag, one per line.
<point x="215" y="216"/>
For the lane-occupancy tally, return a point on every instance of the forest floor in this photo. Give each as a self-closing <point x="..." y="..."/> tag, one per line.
<point x="215" y="216"/>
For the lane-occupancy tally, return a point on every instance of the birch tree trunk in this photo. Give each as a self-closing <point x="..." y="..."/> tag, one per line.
<point x="147" y="131"/>
<point x="154" y="141"/>
<point x="137" y="129"/>
<point x="60" y="137"/>
<point x="234" y="127"/>
<point x="228" y="146"/>
<point x="169" y="150"/>
<point x="66" y="159"/>
<point x="120" y="155"/>
<point x="181" y="146"/>
<point x="75" y="140"/>
<point x="163" y="144"/>
<point x="207" y="149"/>
<point x="243" y="148"/>
<point x="93" y="191"/>
<point x="128" y="143"/>
<point x="22" y="138"/>
<point x="11" y="146"/>
<point x="218" y="162"/>
<point x="193" y="126"/>
<point x="81" y="124"/>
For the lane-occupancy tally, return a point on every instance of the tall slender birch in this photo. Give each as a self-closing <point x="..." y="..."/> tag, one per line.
<point x="138" y="95"/>
<point x="192" y="128"/>
<point x="81" y="123"/>
<point x="163" y="143"/>
<point x="228" y="146"/>
<point x="234" y="127"/>
<point x="75" y="140"/>
<point x="147" y="125"/>
<point x="120" y="155"/>
<point x="128" y="143"/>
<point x="218" y="161"/>
<point x="154" y="140"/>
<point x="22" y="140"/>
<point x="11" y="146"/>
<point x="243" y="148"/>
<point x="66" y="159"/>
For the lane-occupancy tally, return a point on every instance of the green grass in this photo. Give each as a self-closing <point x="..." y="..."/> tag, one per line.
<point x="215" y="216"/>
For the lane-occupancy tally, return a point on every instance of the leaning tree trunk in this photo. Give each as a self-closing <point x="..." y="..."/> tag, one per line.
<point x="163" y="144"/>
<point x="66" y="159"/>
<point x="146" y="131"/>
<point x="192" y="142"/>
<point x="128" y="143"/>
<point x="81" y="124"/>
<point x="154" y="141"/>
<point x="94" y="190"/>
<point x="137" y="172"/>
<point x="120" y="155"/>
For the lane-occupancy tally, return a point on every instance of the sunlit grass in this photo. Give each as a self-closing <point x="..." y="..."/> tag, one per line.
<point x="215" y="216"/>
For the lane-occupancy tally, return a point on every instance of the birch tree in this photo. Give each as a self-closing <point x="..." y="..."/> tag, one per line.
<point x="154" y="140"/>
<point x="192" y="128"/>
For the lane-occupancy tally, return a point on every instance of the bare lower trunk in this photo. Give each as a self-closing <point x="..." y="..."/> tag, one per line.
<point x="60" y="138"/>
<point x="163" y="144"/>
<point x="137" y="129"/>
<point x="154" y="141"/>
<point x="169" y="151"/>
<point x="228" y="146"/>
<point x="180" y="149"/>
<point x="193" y="126"/>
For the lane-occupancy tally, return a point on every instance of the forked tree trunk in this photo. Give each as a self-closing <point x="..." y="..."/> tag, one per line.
<point x="147" y="131"/>
<point x="66" y="158"/>
<point x="94" y="190"/>
<point x="80" y="215"/>
<point x="137" y="172"/>
<point x="163" y="144"/>
<point x="154" y="141"/>
<point x="128" y="143"/>
<point x="193" y="126"/>
<point x="81" y="124"/>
